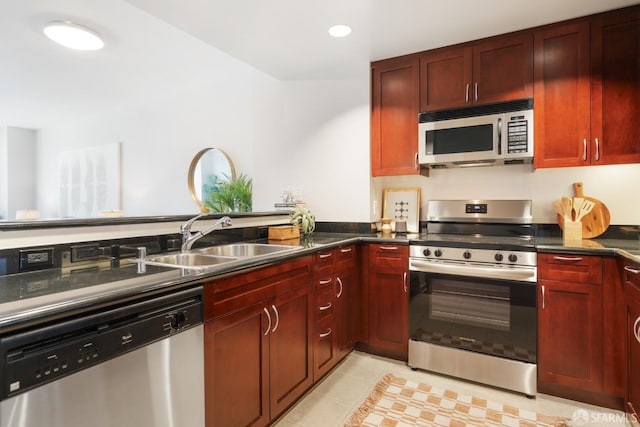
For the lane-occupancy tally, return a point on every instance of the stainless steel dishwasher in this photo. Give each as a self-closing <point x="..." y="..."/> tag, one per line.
<point x="133" y="364"/>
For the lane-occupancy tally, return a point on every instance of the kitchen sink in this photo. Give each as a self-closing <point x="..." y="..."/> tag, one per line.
<point x="188" y="260"/>
<point x="244" y="250"/>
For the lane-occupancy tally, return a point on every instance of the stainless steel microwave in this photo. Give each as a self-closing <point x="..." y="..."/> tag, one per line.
<point x="484" y="135"/>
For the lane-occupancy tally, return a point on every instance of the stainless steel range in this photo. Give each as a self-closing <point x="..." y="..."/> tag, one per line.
<point x="473" y="293"/>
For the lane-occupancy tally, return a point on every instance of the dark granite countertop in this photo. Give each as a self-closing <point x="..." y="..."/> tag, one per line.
<point x="35" y="297"/>
<point x="29" y="298"/>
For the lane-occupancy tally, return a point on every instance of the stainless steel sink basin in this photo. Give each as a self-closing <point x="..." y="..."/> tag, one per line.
<point x="188" y="260"/>
<point x="244" y="250"/>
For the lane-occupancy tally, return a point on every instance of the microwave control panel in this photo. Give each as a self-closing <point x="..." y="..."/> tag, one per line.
<point x="517" y="135"/>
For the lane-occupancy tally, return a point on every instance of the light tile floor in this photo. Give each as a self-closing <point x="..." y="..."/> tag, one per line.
<point x="332" y="401"/>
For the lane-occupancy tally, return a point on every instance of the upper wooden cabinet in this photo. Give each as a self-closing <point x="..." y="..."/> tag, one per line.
<point x="394" y="117"/>
<point x="587" y="91"/>
<point x="498" y="69"/>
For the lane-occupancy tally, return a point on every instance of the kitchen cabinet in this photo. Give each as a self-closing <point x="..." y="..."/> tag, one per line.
<point x="388" y="300"/>
<point x="258" y="349"/>
<point x="394" y="116"/>
<point x="587" y="86"/>
<point x="335" y="282"/>
<point x="492" y="70"/>
<point x="631" y="275"/>
<point x="579" y="356"/>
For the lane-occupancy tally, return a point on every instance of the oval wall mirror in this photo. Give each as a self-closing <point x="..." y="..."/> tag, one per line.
<point x="208" y="168"/>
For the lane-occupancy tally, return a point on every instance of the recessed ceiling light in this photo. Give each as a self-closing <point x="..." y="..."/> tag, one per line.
<point x="340" y="30"/>
<point x="73" y="36"/>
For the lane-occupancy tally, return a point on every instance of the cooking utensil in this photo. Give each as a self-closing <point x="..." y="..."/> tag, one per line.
<point x="586" y="207"/>
<point x="568" y="208"/>
<point x="596" y="221"/>
<point x="558" y="207"/>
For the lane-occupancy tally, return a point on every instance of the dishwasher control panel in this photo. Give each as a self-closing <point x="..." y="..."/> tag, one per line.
<point x="42" y="355"/>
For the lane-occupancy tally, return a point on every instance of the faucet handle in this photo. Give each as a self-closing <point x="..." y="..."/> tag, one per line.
<point x="185" y="227"/>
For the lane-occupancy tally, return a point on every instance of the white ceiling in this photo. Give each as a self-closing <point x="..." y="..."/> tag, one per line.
<point x="288" y="39"/>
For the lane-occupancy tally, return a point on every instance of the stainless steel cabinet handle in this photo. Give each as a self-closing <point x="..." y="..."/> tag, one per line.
<point x="404" y="282"/>
<point x="325" y="307"/>
<point x="631" y="270"/>
<point x="597" y="149"/>
<point x="275" y="310"/>
<point x="466" y="93"/>
<point x="416" y="163"/>
<point x="325" y="282"/>
<point x="500" y="136"/>
<point x="269" y="318"/>
<point x="339" y="283"/>
<point x="322" y="256"/>
<point x="346" y="250"/>
<point x="567" y="258"/>
<point x="636" y="330"/>
<point x="543" y="297"/>
<point x="584" y="150"/>
<point x="389" y="248"/>
<point x="476" y="91"/>
<point x="326" y="334"/>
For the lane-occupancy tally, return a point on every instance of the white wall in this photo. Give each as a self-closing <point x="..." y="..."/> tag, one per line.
<point x="323" y="149"/>
<point x="613" y="185"/>
<point x="20" y="148"/>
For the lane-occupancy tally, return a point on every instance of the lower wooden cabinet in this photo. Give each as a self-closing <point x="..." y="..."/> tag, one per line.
<point x="258" y="350"/>
<point x="388" y="300"/>
<point x="580" y="339"/>
<point x="631" y="275"/>
<point x="335" y="282"/>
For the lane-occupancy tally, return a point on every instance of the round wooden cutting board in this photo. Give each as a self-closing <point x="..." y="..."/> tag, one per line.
<point x="595" y="222"/>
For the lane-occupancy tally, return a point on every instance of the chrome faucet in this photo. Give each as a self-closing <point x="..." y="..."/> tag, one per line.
<point x="188" y="238"/>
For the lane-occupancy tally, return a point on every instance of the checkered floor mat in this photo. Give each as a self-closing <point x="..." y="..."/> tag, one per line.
<point x="397" y="402"/>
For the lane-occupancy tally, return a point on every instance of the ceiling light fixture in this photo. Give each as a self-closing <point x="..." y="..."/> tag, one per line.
<point x="73" y="36"/>
<point x="340" y="30"/>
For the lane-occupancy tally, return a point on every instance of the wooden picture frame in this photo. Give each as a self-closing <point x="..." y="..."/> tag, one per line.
<point x="402" y="203"/>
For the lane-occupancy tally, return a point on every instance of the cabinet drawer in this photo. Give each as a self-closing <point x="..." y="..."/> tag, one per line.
<point x="325" y="304"/>
<point x="631" y="275"/>
<point x="324" y="261"/>
<point x="570" y="268"/>
<point x="388" y="256"/>
<point x="345" y="255"/>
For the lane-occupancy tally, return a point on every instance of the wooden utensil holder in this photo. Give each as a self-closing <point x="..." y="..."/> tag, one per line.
<point x="572" y="232"/>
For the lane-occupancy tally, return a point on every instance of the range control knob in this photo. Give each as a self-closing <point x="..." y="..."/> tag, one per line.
<point x="466" y="255"/>
<point x="498" y="257"/>
<point x="178" y="320"/>
<point x="426" y="252"/>
<point x="438" y="253"/>
<point x="513" y="257"/>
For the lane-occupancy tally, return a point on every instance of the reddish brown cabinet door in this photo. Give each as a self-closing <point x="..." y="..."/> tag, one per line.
<point x="236" y="369"/>
<point x="562" y="116"/>
<point x="389" y="300"/>
<point x="503" y="69"/>
<point x="570" y="352"/>
<point x="394" y="117"/>
<point x="290" y="351"/>
<point x="632" y="292"/>
<point x="615" y="86"/>
<point x="346" y="310"/>
<point x="445" y="78"/>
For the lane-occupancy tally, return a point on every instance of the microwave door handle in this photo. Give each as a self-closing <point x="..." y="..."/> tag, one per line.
<point x="500" y="136"/>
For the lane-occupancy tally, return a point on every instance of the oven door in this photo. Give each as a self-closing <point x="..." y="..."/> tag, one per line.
<point x="486" y="315"/>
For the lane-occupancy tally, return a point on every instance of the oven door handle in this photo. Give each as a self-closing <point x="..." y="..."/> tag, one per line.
<point x="528" y="275"/>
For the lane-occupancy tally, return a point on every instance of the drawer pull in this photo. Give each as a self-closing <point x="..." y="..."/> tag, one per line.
<point x="636" y="330"/>
<point x="568" y="258"/>
<point x="404" y="282"/>
<point x="323" y="256"/>
<point x="275" y="310"/>
<point x="325" y="282"/>
<point x="269" y="318"/>
<point x="543" y="297"/>
<point x="345" y="250"/>
<point x="325" y="307"/>
<point x="389" y="248"/>
<point x="631" y="270"/>
<point x="326" y="334"/>
<point x="339" y="283"/>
